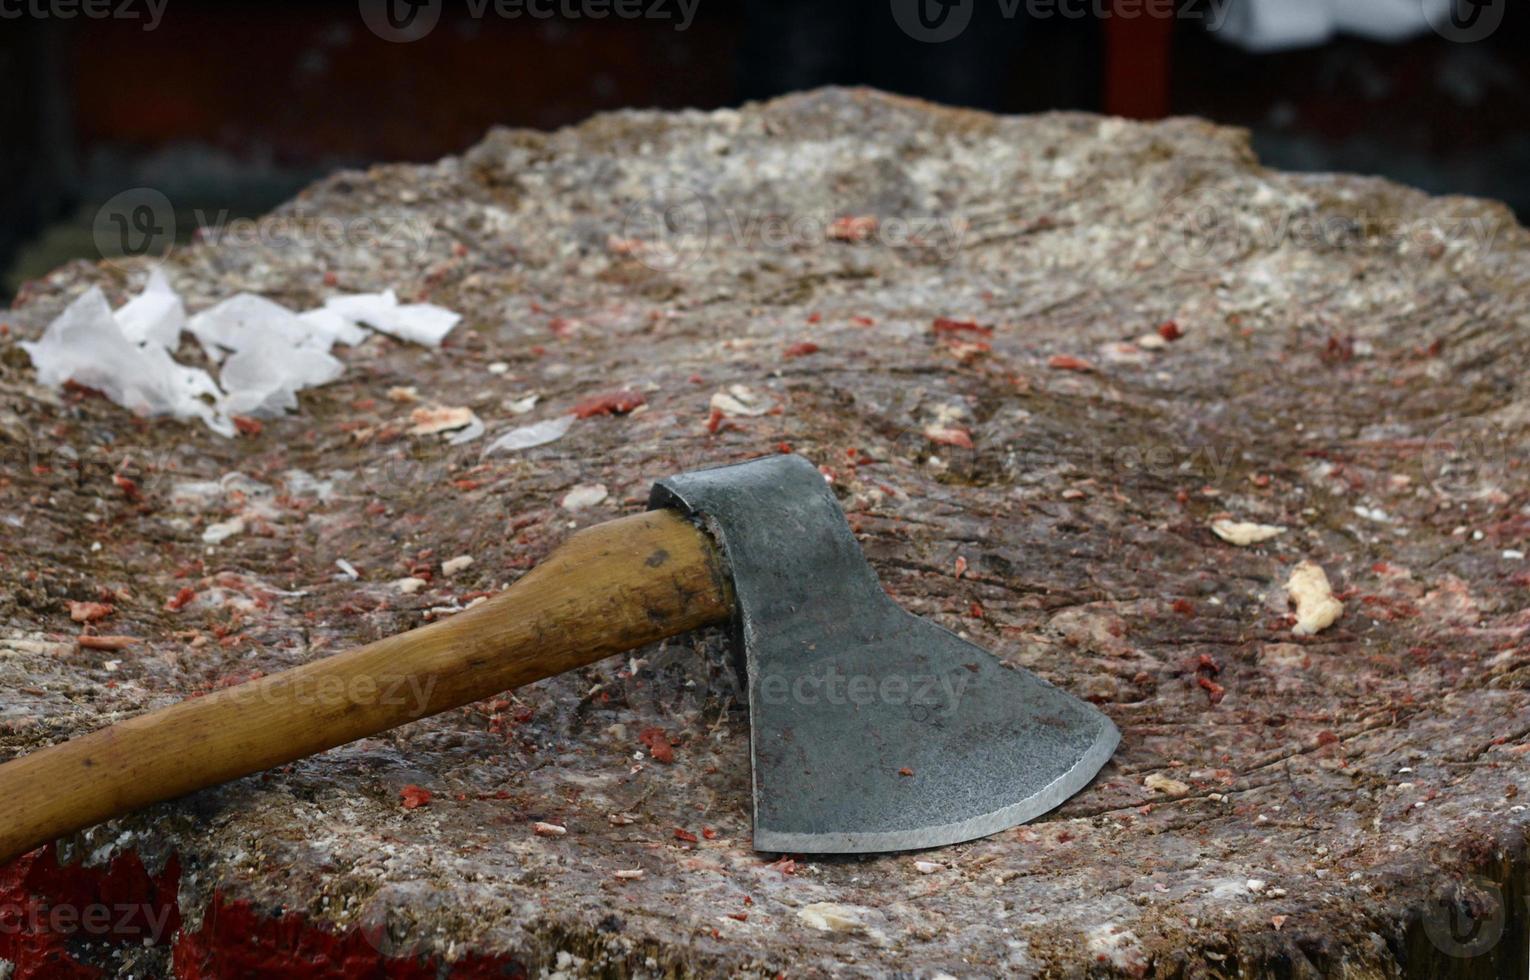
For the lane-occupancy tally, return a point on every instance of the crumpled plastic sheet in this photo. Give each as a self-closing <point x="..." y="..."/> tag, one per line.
<point x="421" y="323"/>
<point x="1282" y="25"/>
<point x="531" y="436"/>
<point x="266" y="353"/>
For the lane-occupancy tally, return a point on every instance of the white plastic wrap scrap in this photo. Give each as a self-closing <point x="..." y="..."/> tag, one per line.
<point x="87" y="344"/>
<point x="267" y="352"/>
<point x="531" y="436"/>
<point x="156" y="314"/>
<point x="1275" y="25"/>
<point x="422" y="323"/>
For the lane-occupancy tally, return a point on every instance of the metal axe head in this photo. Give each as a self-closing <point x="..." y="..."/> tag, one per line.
<point x="871" y="729"/>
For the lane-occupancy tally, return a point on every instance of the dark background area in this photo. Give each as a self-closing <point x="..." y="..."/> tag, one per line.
<point x="229" y="108"/>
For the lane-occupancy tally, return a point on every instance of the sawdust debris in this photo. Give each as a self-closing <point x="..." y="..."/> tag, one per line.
<point x="1245" y="533"/>
<point x="584" y="496"/>
<point x="1160" y="783"/>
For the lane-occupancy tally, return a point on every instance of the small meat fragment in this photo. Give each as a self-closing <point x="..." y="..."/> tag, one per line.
<point x="439" y="418"/>
<point x="614" y="403"/>
<point x="542" y="829"/>
<point x="89" y="612"/>
<point x="853" y="228"/>
<point x="660" y="748"/>
<point x="1244" y="533"/>
<point x="415" y="797"/>
<point x="947" y="325"/>
<point x="179" y="601"/>
<point x="948" y="436"/>
<point x="107" y="642"/>
<point x="1067" y="362"/>
<point x="1160" y="783"/>
<point x="1310" y="591"/>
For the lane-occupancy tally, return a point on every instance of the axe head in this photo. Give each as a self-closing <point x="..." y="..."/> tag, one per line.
<point x="870" y="728"/>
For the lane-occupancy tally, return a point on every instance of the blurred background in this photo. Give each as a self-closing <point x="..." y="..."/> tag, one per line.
<point x="228" y="108"/>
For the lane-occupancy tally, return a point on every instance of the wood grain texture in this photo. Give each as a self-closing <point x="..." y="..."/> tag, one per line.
<point x="1281" y="806"/>
<point x="610" y="588"/>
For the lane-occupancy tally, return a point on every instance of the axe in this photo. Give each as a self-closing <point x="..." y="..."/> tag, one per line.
<point x="870" y="729"/>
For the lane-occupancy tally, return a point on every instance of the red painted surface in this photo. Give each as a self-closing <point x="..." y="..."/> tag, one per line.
<point x="235" y="940"/>
<point x="309" y="82"/>
<point x="1137" y="50"/>
<point x="52" y="914"/>
<point x="47" y="910"/>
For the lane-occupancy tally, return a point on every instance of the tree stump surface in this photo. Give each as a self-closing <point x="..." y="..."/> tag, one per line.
<point x="1351" y="368"/>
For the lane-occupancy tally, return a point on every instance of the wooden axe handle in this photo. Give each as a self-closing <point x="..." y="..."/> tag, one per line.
<point x="608" y="589"/>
